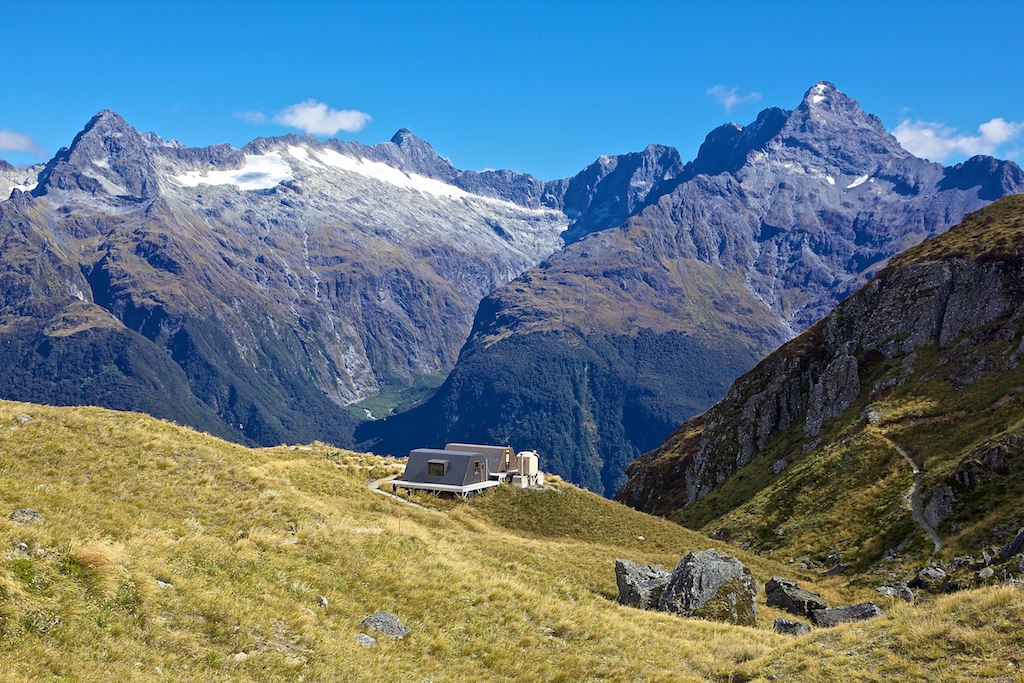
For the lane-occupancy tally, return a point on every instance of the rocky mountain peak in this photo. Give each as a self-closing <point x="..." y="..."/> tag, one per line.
<point x="417" y="155"/>
<point x="107" y="158"/>
<point x="831" y="126"/>
<point x="4" y="166"/>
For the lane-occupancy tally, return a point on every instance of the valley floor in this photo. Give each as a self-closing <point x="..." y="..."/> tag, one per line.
<point x="165" y="554"/>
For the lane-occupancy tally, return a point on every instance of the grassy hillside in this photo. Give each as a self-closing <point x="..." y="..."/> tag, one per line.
<point x="164" y="554"/>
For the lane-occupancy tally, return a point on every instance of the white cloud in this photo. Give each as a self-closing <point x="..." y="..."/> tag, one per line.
<point x="250" y="116"/>
<point x="11" y="141"/>
<point x="938" y="142"/>
<point x="731" y="97"/>
<point x="319" y="119"/>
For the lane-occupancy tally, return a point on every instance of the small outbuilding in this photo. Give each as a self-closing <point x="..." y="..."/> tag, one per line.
<point x="450" y="471"/>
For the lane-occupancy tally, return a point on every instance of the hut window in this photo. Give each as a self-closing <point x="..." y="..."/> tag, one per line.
<point x="435" y="468"/>
<point x="476" y="467"/>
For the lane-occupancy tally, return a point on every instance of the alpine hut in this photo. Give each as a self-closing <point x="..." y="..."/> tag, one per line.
<point x="449" y="471"/>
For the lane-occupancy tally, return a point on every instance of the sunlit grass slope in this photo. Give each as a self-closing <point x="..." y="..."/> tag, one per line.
<point x="165" y="554"/>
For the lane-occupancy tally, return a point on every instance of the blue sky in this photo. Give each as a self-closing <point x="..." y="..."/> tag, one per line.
<point x="541" y="87"/>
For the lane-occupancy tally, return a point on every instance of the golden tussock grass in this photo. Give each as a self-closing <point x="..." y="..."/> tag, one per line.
<point x="166" y="554"/>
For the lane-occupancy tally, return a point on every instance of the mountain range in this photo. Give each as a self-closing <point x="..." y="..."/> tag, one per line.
<point x="291" y="289"/>
<point x="598" y="353"/>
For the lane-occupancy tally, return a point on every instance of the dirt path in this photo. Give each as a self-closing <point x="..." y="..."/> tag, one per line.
<point x="375" y="487"/>
<point x="914" y="498"/>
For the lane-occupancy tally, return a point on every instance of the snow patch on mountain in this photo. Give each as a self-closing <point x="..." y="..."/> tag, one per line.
<point x="259" y="172"/>
<point x="858" y="182"/>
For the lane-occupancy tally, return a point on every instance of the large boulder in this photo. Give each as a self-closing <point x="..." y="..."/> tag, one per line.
<point x="639" y="585"/>
<point x="1014" y="547"/>
<point x="385" y="623"/>
<point x="708" y="584"/>
<point x="789" y="596"/>
<point x="842" y="615"/>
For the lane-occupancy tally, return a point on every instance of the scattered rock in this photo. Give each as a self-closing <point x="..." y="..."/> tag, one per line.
<point x="962" y="562"/>
<point x="240" y="657"/>
<point x="640" y="586"/>
<point x="778" y="466"/>
<point x="163" y="585"/>
<point x="19" y="552"/>
<point x="23" y="418"/>
<point x="790" y="627"/>
<point x="308" y="612"/>
<point x="365" y="640"/>
<point x="1014" y="547"/>
<point x="709" y="584"/>
<point x="26" y="516"/>
<point x="986" y="574"/>
<point x="387" y="624"/>
<point x="939" y="506"/>
<point x="1020" y="563"/>
<point x="931" y="576"/>
<point x="837" y="570"/>
<point x="640" y="538"/>
<point x="789" y="596"/>
<point x="321" y="600"/>
<point x="897" y="592"/>
<point x="841" y="615"/>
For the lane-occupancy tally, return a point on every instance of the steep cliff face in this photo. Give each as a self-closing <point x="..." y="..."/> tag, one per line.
<point x="736" y="251"/>
<point x="927" y="355"/>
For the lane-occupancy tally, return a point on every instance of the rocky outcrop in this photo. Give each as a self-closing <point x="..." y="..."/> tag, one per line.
<point x="1014" y="547"/>
<point x="842" y="615"/>
<point x="940" y="505"/>
<point x="640" y="586"/>
<point x="710" y="584"/>
<point x="789" y="596"/>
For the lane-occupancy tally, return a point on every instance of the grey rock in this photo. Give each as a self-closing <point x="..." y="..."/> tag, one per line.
<point x="365" y="640"/>
<point x="26" y="516"/>
<point x="778" y="466"/>
<point x="710" y="584"/>
<point x="901" y="592"/>
<point x="962" y="562"/>
<point x="939" y="506"/>
<point x="837" y="570"/>
<point x="930" y="576"/>
<point x="841" y="615"/>
<point x="789" y="596"/>
<point x="986" y="574"/>
<point x="1020" y="563"/>
<point x="1014" y="547"/>
<point x="639" y="585"/>
<point x="321" y="600"/>
<point x="790" y="627"/>
<point x="385" y="623"/>
<point x="23" y="418"/>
